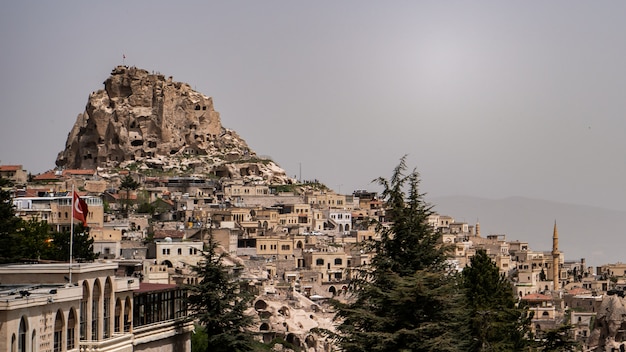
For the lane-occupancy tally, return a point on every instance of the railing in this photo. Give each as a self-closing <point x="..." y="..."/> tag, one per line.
<point x="116" y="342"/>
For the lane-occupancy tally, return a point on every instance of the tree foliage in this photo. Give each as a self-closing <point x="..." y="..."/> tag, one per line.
<point x="9" y="224"/>
<point x="82" y="245"/>
<point x="32" y="240"/>
<point x="497" y="323"/>
<point x="409" y="298"/>
<point x="218" y="304"/>
<point x="128" y="184"/>
<point x="559" y="340"/>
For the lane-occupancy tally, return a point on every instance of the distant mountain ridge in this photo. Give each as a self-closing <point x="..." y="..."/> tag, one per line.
<point x="593" y="233"/>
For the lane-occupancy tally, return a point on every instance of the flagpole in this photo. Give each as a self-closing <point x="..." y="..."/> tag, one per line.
<point x="72" y="234"/>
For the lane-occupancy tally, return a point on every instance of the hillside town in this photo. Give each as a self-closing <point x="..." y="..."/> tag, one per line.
<point x="160" y="177"/>
<point x="295" y="245"/>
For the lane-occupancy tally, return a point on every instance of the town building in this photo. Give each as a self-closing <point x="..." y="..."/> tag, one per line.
<point x="86" y="307"/>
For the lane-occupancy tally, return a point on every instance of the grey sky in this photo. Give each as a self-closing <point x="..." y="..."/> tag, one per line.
<point x="487" y="98"/>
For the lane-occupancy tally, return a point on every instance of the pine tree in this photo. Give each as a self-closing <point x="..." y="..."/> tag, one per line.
<point x="218" y="304"/>
<point x="35" y="240"/>
<point x="497" y="323"/>
<point x="559" y="340"/>
<point x="128" y="184"/>
<point x="82" y="245"/>
<point x="409" y="298"/>
<point x="9" y="224"/>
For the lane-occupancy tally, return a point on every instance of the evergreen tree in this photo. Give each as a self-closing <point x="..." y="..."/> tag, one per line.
<point x="559" y="340"/>
<point x="9" y="224"/>
<point x="409" y="298"/>
<point x="218" y="304"/>
<point x="199" y="339"/>
<point x="19" y="239"/>
<point x="128" y="184"/>
<point x="82" y="244"/>
<point x="35" y="240"/>
<point x="496" y="323"/>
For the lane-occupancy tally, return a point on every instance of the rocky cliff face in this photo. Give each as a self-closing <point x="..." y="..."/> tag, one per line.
<point x="608" y="333"/>
<point x="141" y="118"/>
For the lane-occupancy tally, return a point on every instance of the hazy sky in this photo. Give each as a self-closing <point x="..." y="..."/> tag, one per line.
<point x="487" y="98"/>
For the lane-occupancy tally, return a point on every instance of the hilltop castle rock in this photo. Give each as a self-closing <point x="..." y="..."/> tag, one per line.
<point x="143" y="120"/>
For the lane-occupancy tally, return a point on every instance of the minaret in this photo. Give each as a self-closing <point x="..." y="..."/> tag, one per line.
<point x="555" y="257"/>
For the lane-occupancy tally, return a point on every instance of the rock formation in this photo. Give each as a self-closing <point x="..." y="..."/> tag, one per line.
<point x="142" y="119"/>
<point x="608" y="333"/>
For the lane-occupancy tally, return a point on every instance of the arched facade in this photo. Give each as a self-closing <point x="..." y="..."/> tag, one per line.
<point x="85" y="307"/>
<point x="71" y="329"/>
<point x="59" y="329"/>
<point x="91" y="313"/>
<point x="107" y="308"/>
<point x="118" y="322"/>
<point x="128" y="308"/>
<point x="21" y="335"/>
<point x="96" y="309"/>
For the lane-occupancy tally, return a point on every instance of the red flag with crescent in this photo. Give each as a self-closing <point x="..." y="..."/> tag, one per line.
<point x="80" y="210"/>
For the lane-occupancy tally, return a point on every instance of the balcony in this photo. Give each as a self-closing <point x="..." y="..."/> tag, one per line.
<point x="118" y="342"/>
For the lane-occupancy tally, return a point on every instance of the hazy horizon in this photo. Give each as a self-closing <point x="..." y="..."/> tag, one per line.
<point x="488" y="99"/>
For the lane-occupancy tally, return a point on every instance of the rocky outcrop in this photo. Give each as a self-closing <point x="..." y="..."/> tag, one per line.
<point x="292" y="317"/>
<point x="608" y="333"/>
<point x="144" y="120"/>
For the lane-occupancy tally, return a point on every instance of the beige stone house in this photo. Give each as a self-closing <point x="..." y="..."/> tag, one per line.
<point x="330" y="264"/>
<point x="178" y="254"/>
<point x="57" y="210"/>
<point x="545" y="312"/>
<point x="95" y="311"/>
<point x="15" y="173"/>
<point x="326" y="200"/>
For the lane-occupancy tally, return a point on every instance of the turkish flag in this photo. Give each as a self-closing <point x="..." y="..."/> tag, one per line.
<point x="80" y="210"/>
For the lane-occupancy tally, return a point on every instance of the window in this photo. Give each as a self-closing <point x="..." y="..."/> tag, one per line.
<point x="338" y="261"/>
<point x="107" y="309"/>
<point x="95" y="311"/>
<point x="154" y="307"/>
<point x="127" y="315"/>
<point x="319" y="261"/>
<point x="83" y="311"/>
<point x="71" y="330"/>
<point x="21" y="339"/>
<point x="180" y="251"/>
<point x="58" y="332"/>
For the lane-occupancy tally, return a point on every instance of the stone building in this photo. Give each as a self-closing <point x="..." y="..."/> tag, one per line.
<point x="15" y="173"/>
<point x="47" y="307"/>
<point x="56" y="210"/>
